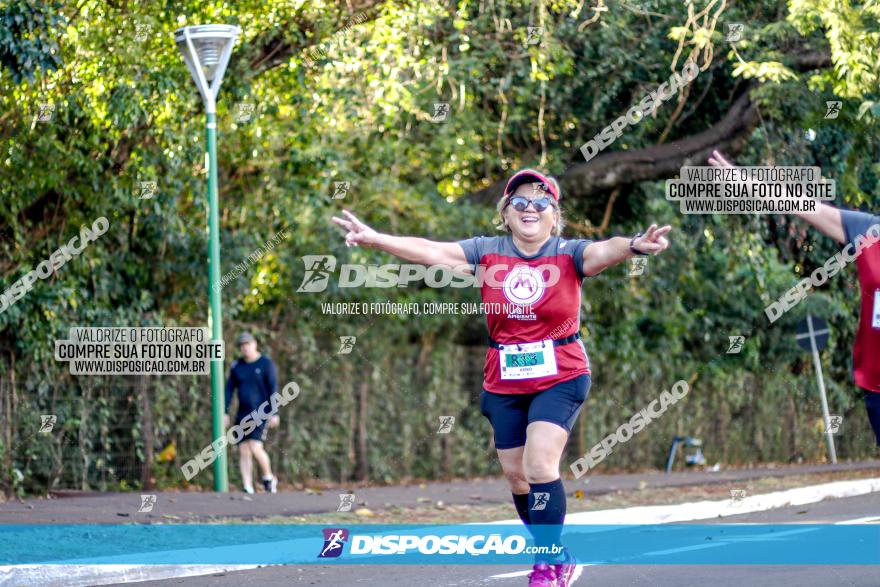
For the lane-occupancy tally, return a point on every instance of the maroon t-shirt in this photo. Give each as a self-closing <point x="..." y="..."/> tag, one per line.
<point x="530" y="299"/>
<point x="866" y="350"/>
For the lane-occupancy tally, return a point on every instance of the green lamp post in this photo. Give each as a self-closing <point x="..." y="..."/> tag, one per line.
<point x="206" y="50"/>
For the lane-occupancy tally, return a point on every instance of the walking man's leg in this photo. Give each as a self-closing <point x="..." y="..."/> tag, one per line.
<point x="246" y="466"/>
<point x="262" y="457"/>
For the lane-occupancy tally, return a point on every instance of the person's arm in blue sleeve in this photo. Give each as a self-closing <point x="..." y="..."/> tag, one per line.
<point x="271" y="381"/>
<point x="230" y="387"/>
<point x="826" y="219"/>
<point x="272" y="377"/>
<point x="856" y="224"/>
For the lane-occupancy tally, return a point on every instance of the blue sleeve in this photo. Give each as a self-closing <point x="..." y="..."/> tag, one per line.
<point x="856" y="223"/>
<point x="230" y="386"/>
<point x="578" y="255"/>
<point x="472" y="251"/>
<point x="271" y="378"/>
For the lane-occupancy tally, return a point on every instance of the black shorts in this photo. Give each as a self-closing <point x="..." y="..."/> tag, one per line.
<point x="872" y="404"/>
<point x="511" y="413"/>
<point x="258" y="433"/>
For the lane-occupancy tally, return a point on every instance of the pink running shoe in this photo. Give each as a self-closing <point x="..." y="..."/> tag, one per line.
<point x="565" y="570"/>
<point x="542" y="575"/>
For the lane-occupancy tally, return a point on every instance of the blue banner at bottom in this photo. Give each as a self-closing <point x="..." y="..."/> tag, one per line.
<point x="674" y="544"/>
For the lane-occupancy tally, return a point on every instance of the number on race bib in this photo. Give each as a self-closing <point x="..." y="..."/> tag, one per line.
<point x="875" y="315"/>
<point x="527" y="360"/>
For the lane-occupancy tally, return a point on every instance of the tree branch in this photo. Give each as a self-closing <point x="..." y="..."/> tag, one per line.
<point x="621" y="168"/>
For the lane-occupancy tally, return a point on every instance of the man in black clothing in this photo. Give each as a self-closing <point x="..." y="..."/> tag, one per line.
<point x="255" y="377"/>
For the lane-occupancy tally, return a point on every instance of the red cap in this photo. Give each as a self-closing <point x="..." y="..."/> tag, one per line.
<point x="531" y="176"/>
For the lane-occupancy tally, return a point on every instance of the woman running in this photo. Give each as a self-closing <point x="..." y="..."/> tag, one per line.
<point x="537" y="374"/>
<point x="859" y="232"/>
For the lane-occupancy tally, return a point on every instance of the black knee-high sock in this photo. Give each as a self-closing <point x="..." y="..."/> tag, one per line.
<point x="521" y="502"/>
<point x="546" y="515"/>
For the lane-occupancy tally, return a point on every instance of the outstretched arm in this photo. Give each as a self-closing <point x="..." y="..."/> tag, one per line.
<point x="601" y="255"/>
<point x="827" y="220"/>
<point x="411" y="248"/>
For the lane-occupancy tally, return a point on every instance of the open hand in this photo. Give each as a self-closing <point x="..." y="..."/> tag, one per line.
<point x="653" y="241"/>
<point x="358" y="232"/>
<point x="717" y="159"/>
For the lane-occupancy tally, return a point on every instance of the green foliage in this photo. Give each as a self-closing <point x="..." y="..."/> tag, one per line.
<point x="126" y="112"/>
<point x="27" y="43"/>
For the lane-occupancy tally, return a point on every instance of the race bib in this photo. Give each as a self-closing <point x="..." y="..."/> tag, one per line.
<point x="875" y="320"/>
<point x="527" y="360"/>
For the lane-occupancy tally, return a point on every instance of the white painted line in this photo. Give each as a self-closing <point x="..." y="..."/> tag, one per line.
<point x="84" y="575"/>
<point x="868" y="520"/>
<point x="577" y="573"/>
<point x="702" y="510"/>
<point x="510" y="575"/>
<point x="706" y="510"/>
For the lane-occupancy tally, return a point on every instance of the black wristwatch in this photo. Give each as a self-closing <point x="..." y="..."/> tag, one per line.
<point x="634" y="250"/>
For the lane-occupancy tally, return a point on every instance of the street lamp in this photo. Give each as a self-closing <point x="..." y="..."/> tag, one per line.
<point x="206" y="50"/>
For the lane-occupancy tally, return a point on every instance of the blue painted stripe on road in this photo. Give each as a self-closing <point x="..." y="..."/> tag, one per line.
<point x="244" y="544"/>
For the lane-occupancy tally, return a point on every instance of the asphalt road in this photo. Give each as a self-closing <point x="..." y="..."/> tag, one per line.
<point x="836" y="510"/>
<point x="181" y="507"/>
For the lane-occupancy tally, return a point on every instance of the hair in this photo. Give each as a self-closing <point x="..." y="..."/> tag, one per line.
<point x="560" y="222"/>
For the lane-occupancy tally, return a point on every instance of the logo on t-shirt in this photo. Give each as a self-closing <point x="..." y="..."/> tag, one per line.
<point x="523" y="286"/>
